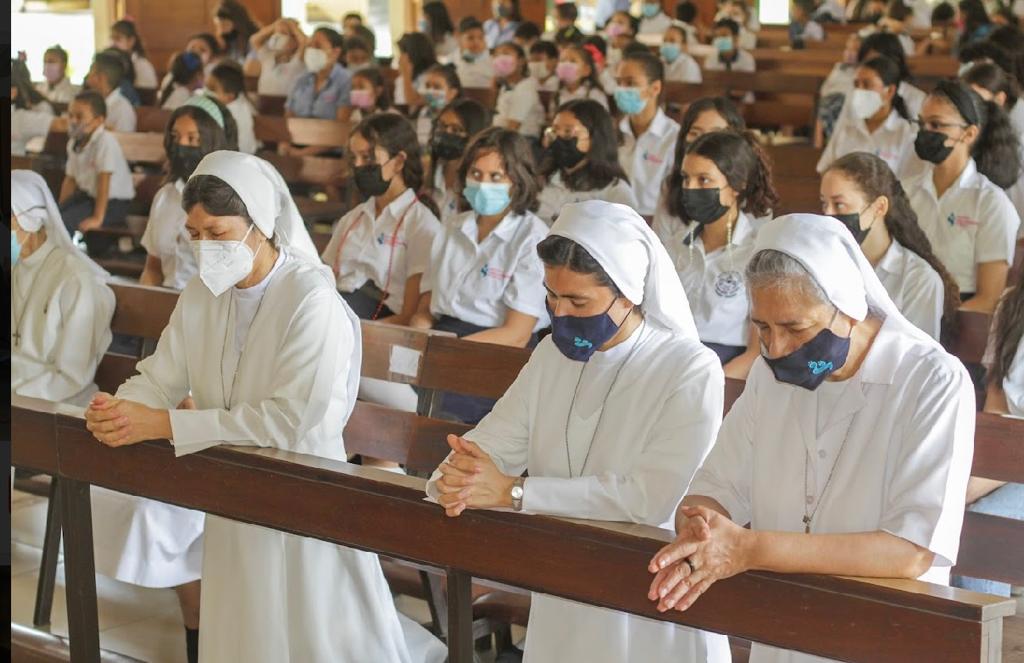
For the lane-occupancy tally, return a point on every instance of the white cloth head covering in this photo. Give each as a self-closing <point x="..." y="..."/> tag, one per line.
<point x="34" y="206"/>
<point x="266" y="197"/>
<point x="828" y="251"/>
<point x="628" y="250"/>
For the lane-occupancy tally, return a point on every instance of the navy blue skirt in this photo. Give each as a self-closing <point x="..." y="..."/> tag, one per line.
<point x="365" y="306"/>
<point x="726" y="353"/>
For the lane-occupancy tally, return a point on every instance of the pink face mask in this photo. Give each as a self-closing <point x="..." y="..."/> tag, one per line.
<point x="361" y="98"/>
<point x="504" y="65"/>
<point x="53" y="72"/>
<point x="568" y="72"/>
<point x="614" y="29"/>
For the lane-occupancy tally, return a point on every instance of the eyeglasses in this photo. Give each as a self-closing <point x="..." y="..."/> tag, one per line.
<point x="933" y="125"/>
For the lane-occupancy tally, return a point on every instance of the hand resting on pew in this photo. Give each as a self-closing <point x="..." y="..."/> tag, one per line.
<point x="117" y="423"/>
<point x="470" y="479"/>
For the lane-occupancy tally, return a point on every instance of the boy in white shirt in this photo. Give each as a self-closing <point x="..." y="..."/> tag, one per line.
<point x="227" y="83"/>
<point x="543" y="61"/>
<point x="104" y="77"/>
<point x="97" y="187"/>
<point x="728" y="56"/>
<point x="474" y="63"/>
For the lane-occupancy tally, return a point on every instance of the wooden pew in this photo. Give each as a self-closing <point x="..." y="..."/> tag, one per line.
<point x="147" y="97"/>
<point x="488" y="97"/>
<point x="151" y="118"/>
<point x="268" y="104"/>
<point x="821" y="62"/>
<point x="794" y="95"/>
<point x="301" y="131"/>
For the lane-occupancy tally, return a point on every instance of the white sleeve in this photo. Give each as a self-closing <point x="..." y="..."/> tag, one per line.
<point x="523" y="99"/>
<point x="1013" y="382"/>
<point x="420" y="240"/>
<point x="692" y="71"/>
<point x="997" y="228"/>
<point x="399" y="91"/>
<point x="525" y="290"/>
<point x="162" y="381"/>
<point x="107" y="154"/>
<point x="828" y="155"/>
<point x="924" y="298"/>
<point x="679" y="440"/>
<point x="621" y="193"/>
<point x="330" y="254"/>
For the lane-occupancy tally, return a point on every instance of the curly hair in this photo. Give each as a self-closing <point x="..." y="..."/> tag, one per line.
<point x="517" y="159"/>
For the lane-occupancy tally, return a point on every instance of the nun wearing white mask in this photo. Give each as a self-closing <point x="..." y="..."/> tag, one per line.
<point x="61" y="305"/>
<point x="612" y="415"/>
<point x="848" y="451"/>
<point x="270" y="355"/>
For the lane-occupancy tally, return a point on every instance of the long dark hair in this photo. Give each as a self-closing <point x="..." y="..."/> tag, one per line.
<point x="376" y="79"/>
<point x="602" y="167"/>
<point x="516" y="157"/>
<point x="991" y="77"/>
<point x="184" y="68"/>
<point x="211" y="137"/>
<point x="126" y="28"/>
<point x="974" y="16"/>
<point x="1009" y="330"/>
<point x="474" y="117"/>
<point x="420" y="51"/>
<point x="887" y="44"/>
<point x="21" y="79"/>
<point x="889" y="72"/>
<point x="592" y="81"/>
<point x="721" y="105"/>
<point x="873" y="177"/>
<point x="439" y="19"/>
<point x="395" y="134"/>
<point x="236" y="12"/>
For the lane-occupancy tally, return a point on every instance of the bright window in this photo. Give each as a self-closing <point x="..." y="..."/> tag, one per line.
<point x="33" y="31"/>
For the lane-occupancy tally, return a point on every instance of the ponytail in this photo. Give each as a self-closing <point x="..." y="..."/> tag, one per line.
<point x="997" y="150"/>
<point x="1009" y="331"/>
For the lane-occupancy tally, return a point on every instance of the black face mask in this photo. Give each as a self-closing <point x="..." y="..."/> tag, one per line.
<point x="702" y="206"/>
<point x="852" y="223"/>
<point x="448" y="146"/>
<point x="229" y="36"/>
<point x="930" y="146"/>
<point x="185" y="159"/>
<point x="565" y="152"/>
<point x="369" y="180"/>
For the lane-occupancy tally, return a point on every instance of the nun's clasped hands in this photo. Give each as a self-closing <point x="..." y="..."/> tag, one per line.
<point x="470" y="479"/>
<point x="117" y="422"/>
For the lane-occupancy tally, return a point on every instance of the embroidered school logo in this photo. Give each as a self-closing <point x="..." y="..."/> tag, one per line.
<point x="653" y="158"/>
<point x="960" y="221"/>
<point x="391" y="240"/>
<point x="494" y="273"/>
<point x="728" y="284"/>
<point x="582" y="343"/>
<point x="819" y="367"/>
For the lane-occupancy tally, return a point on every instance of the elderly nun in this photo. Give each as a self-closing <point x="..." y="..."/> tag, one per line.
<point x="612" y="416"/>
<point x="61" y="305"/>
<point x="270" y="355"/>
<point x="848" y="451"/>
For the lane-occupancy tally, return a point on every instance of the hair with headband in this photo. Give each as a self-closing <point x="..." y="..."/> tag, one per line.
<point x="212" y="135"/>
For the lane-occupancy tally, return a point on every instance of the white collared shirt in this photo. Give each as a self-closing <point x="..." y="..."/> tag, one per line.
<point x="167" y="239"/>
<point x="915" y="288"/>
<point x="656" y="25"/>
<point x="520" y="104"/>
<point x="647" y="160"/>
<point x="1013" y="375"/>
<point x="476" y="74"/>
<point x="744" y="62"/>
<point x="370" y="244"/>
<point x="973" y="222"/>
<point x="28" y="123"/>
<point x="556" y="194"/>
<point x="242" y="111"/>
<point x="480" y="282"/>
<point x="102" y="154"/>
<point x="63" y="92"/>
<point x="278" y="78"/>
<point x="178" y="96"/>
<point x="120" y="114"/>
<point x="892" y="141"/>
<point x="584" y="91"/>
<point x="714" y="282"/>
<point x="684" y="69"/>
<point x="145" y="72"/>
<point x="447" y="200"/>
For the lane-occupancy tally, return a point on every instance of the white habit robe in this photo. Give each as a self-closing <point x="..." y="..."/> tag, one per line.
<point x="267" y="595"/>
<point x="657" y="423"/>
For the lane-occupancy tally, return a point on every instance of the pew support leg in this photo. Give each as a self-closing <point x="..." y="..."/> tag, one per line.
<point x="460" y="618"/>
<point x="79" y="571"/>
<point x="48" y="563"/>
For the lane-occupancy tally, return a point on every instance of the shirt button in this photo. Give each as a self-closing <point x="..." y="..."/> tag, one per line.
<point x="821" y="453"/>
<point x="810" y="499"/>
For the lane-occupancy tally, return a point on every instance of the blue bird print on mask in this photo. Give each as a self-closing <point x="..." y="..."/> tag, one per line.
<point x="582" y="343"/>
<point x="819" y="367"/>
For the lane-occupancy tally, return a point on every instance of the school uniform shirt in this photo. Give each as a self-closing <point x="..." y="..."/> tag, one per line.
<point x="812" y="32"/>
<point x="63" y="92"/>
<point x="101" y="154"/>
<point x="839" y="80"/>
<point x="656" y="25"/>
<point x="120" y="113"/>
<point x="744" y="62"/>
<point x="1013" y="378"/>
<point x="447" y="200"/>
<point x="376" y="249"/>
<point x="555" y="194"/>
<point x="635" y="440"/>
<point x="166" y="237"/>
<point x="607" y="78"/>
<point x="26" y="124"/>
<point x="241" y="109"/>
<point x="417" y="84"/>
<point x="1016" y="115"/>
<point x="714" y="282"/>
<point x="447" y="50"/>
<point x="145" y="72"/>
<point x="305" y="101"/>
<point x="480" y="282"/>
<point x="424" y="125"/>
<point x="747" y="39"/>
<point x="178" y="96"/>
<point x="646" y="160"/>
<point x="278" y="78"/>
<point x="684" y="69"/>
<point x="60" y="325"/>
<point x="494" y="34"/>
<point x="551" y="84"/>
<point x="973" y="222"/>
<point x="896" y="438"/>
<point x="477" y="74"/>
<point x="892" y="141"/>
<point x="584" y="91"/>
<point x="914" y="286"/>
<point x="521" y="103"/>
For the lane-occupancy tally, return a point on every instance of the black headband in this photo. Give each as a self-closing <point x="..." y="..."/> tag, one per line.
<point x="961" y="98"/>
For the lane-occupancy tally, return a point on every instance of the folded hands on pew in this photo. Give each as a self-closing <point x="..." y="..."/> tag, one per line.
<point x="117" y="422"/>
<point x="470" y="479"/>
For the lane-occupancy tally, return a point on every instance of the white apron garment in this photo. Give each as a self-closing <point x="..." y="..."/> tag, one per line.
<point x="267" y="595"/>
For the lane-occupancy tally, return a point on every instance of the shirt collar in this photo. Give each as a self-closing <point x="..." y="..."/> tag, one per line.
<point x="503" y="231"/>
<point x="116" y="92"/>
<point x="892" y="259"/>
<point x="660" y="125"/>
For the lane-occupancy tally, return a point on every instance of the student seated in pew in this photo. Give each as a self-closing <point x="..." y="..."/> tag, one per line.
<point x="277" y="57"/>
<point x="369" y="95"/>
<point x="581" y="160"/>
<point x="351" y="22"/>
<point x="862" y="191"/>
<point x="518" y="107"/>
<point x="31" y="114"/>
<point x="714" y="199"/>
<point x="703" y="116"/>
<point x="527" y="34"/>
<point x="201" y="126"/>
<point x="739" y="11"/>
<point x="728" y="55"/>
<point x="648" y="134"/>
<point x="502" y="27"/>
<point x="226" y="83"/>
<point x="441" y="86"/>
<point x="186" y="78"/>
<point x="972" y="153"/>
<point x="380" y="249"/>
<point x="977" y="25"/>
<point x="894" y="22"/>
<point x="686" y="17"/>
<point x="105" y="77"/>
<point x="205" y="46"/>
<point x="127" y="85"/>
<point x="61" y="306"/>
<point x="566" y="31"/>
<point x="942" y="38"/>
<point x="97" y="187"/>
<point x="437" y="25"/>
<point x="56" y="87"/>
<point x="653" y="19"/>
<point x="611" y="416"/>
<point x="605" y="73"/>
<point x="358" y="54"/>
<point x="834" y="89"/>
<point x="474" y="63"/>
<point x="878" y="121"/>
<point x="485" y="281"/>
<point x="285" y="376"/>
<point x="621" y="29"/>
<point x="1011" y="40"/>
<point x="1004" y="394"/>
<point x="125" y="37"/>
<point x="578" y="77"/>
<point x="680" y="67"/>
<point x="233" y="27"/>
<point x="324" y="92"/>
<point x="849" y="449"/>
<point x="544" y="65"/>
<point x="458" y="122"/>
<point x="416" y="56"/>
<point x="802" y="27"/>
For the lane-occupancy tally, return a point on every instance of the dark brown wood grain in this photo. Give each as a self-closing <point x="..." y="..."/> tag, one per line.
<point x="998" y="448"/>
<point x="416" y="442"/>
<point x="971" y="336"/>
<point x="991" y="547"/>
<point x="141" y="310"/>
<point x="151" y="118"/>
<point x="465" y="367"/>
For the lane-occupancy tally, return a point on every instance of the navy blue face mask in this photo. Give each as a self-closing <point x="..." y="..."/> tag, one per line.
<point x="578" y="338"/>
<point x="812" y="362"/>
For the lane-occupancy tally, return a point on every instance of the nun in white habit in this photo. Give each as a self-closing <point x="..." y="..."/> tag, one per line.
<point x="270" y="355"/>
<point x="61" y="305"/>
<point x="848" y="451"/>
<point x="612" y="415"/>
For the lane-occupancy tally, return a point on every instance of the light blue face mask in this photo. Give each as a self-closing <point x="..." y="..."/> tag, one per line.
<point x="488" y="198"/>
<point x="434" y="98"/>
<point x="650" y="9"/>
<point x="670" y="52"/>
<point x="15" y="248"/>
<point x="628" y="100"/>
<point x="723" y="44"/>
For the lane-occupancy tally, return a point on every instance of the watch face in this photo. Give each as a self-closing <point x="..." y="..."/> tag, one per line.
<point x="517" y="492"/>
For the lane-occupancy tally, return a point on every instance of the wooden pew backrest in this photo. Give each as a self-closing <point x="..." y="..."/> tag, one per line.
<point x="418" y="443"/>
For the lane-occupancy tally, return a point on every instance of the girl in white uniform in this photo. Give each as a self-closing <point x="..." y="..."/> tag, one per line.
<point x="848" y="451"/>
<point x="518" y="107"/>
<point x="708" y="224"/>
<point x="972" y="152"/>
<point x="581" y="160"/>
<point x="680" y="67"/>
<point x="703" y="116"/>
<point x="441" y="86"/>
<point x="861" y="191"/>
<point x="448" y="140"/>
<point x="611" y="416"/>
<point x="285" y="376"/>
<point x="577" y="76"/>
<point x="125" y="38"/>
<point x="485" y="279"/>
<point x="369" y="95"/>
<point x="648" y="135"/>
<point x="60" y="303"/>
<point x="201" y="126"/>
<point x="31" y="113"/>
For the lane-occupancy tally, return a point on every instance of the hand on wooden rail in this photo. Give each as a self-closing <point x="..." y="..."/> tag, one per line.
<point x="118" y="423"/>
<point x="470" y="479"/>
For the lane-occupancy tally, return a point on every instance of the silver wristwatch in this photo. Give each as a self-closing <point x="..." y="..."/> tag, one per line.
<point x="517" y="494"/>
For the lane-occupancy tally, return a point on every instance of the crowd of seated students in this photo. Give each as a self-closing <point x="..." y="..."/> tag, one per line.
<point x="598" y="219"/>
